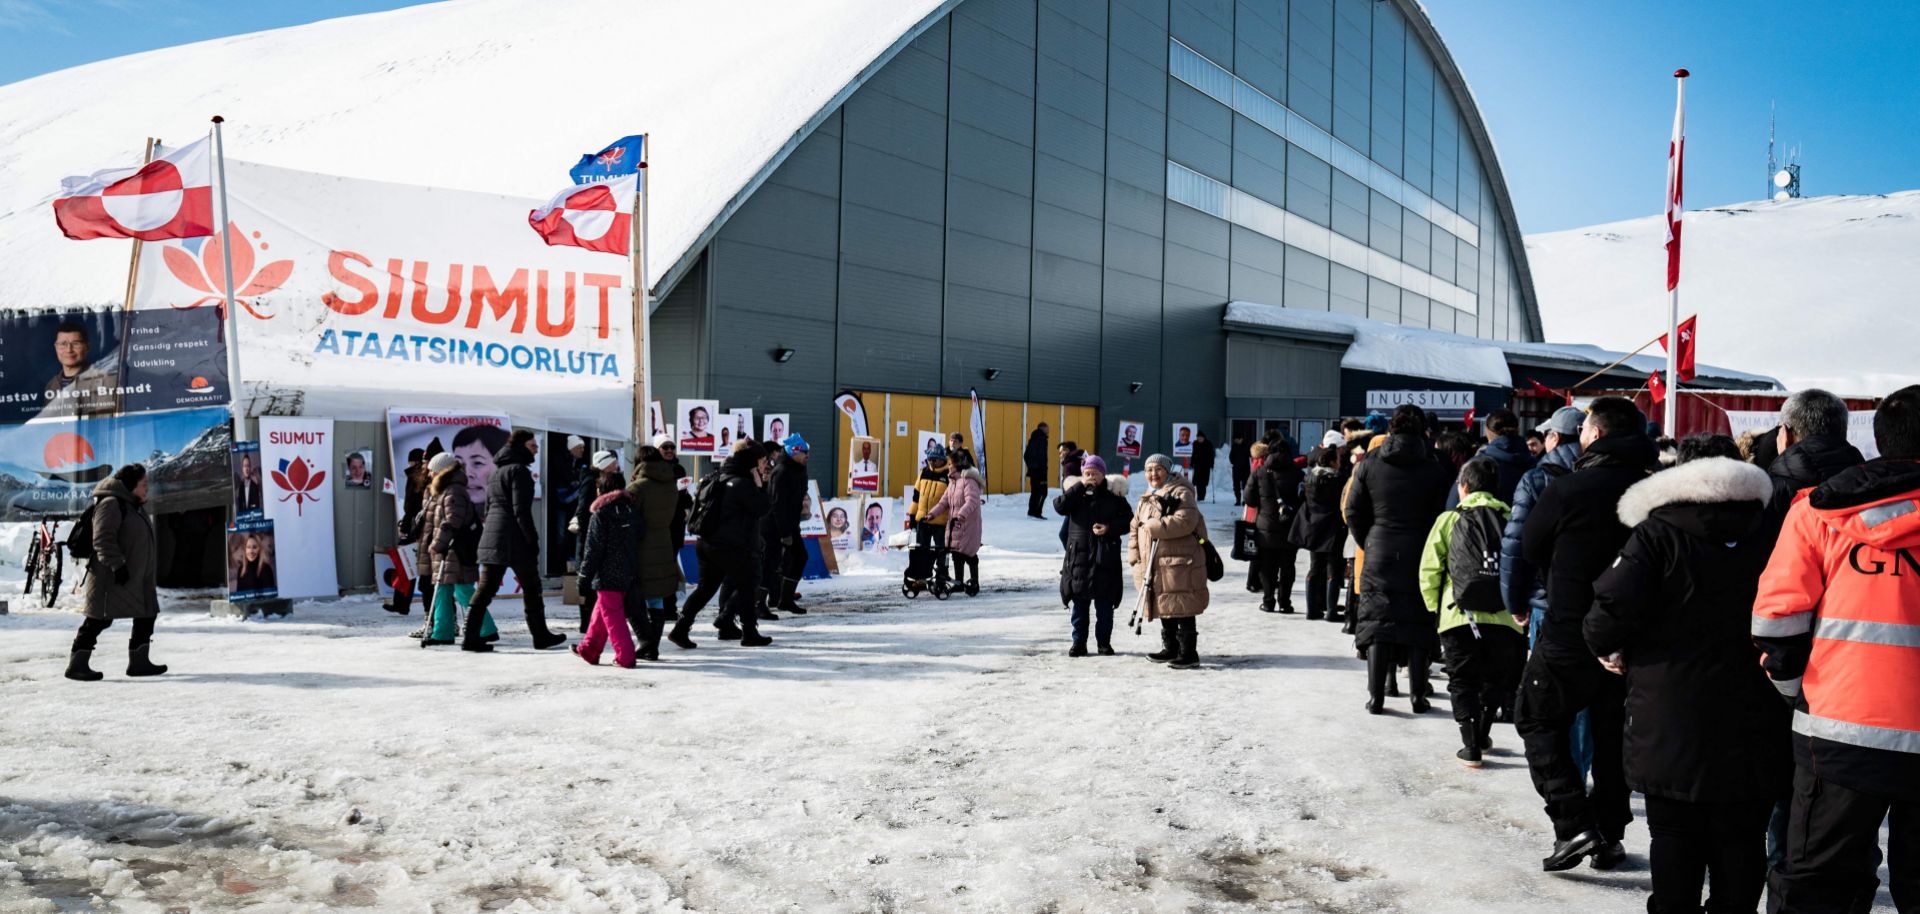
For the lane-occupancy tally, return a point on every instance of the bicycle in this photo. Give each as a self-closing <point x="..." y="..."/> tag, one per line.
<point x="44" y="562"/>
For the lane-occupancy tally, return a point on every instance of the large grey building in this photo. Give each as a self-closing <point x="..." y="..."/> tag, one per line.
<point x="1064" y="195"/>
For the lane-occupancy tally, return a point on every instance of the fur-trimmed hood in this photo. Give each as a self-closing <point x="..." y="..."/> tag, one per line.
<point x="1116" y="483"/>
<point x="969" y="473"/>
<point x="1710" y="480"/>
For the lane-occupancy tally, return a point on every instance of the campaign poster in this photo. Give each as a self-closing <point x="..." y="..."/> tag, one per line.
<point x="812" y="523"/>
<point x="874" y="527"/>
<point x="394" y="570"/>
<point x="699" y="433"/>
<point x="778" y="427"/>
<point x="840" y="516"/>
<point x="348" y="291"/>
<point x="1183" y="435"/>
<point x="356" y="469"/>
<point x="1128" y="441"/>
<point x="49" y="468"/>
<point x="925" y="441"/>
<point x="252" y="568"/>
<point x="656" y="421"/>
<point x="863" y="465"/>
<point x="297" y="452"/>
<point x="249" y="491"/>
<point x="471" y="437"/>
<point x="742" y="422"/>
<point x="105" y="362"/>
<point x="723" y="436"/>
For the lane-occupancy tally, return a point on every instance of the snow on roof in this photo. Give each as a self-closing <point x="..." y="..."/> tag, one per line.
<point x="489" y="95"/>
<point x="1414" y="352"/>
<point x="1823" y="291"/>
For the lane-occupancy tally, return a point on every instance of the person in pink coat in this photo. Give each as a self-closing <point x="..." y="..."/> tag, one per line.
<point x="961" y="505"/>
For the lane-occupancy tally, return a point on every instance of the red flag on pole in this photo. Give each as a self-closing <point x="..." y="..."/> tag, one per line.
<point x="1676" y="157"/>
<point x="1658" y="387"/>
<point x="1684" y="370"/>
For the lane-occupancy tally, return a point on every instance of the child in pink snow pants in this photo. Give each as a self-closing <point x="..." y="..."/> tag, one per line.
<point x="607" y="567"/>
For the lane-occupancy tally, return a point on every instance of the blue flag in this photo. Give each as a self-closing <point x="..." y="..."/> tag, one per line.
<point x="623" y="157"/>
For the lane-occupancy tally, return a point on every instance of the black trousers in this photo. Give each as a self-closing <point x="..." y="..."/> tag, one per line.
<point x="1480" y="671"/>
<point x="491" y="577"/>
<point x="1722" y="843"/>
<point x="1036" y="495"/>
<point x="1240" y="475"/>
<point x="1326" y="577"/>
<point x="933" y="536"/>
<point x="647" y="624"/>
<point x="736" y="569"/>
<point x="90" y="629"/>
<point x="1556" y="686"/>
<point x="1277" y="563"/>
<point x="1833" y="850"/>
<point x="1201" y="476"/>
<point x="1382" y="657"/>
<point x="773" y="563"/>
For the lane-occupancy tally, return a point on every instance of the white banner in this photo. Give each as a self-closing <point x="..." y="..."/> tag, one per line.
<point x="1742" y="421"/>
<point x="297" y="455"/>
<point x="1440" y="401"/>
<point x="352" y="293"/>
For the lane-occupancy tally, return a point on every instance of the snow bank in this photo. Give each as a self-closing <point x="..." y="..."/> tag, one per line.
<point x="488" y="95"/>
<point x="1822" y="291"/>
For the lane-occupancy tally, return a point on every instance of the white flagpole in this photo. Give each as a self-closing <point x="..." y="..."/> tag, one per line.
<point x="1675" y="202"/>
<point x="643" y="306"/>
<point x="239" y="406"/>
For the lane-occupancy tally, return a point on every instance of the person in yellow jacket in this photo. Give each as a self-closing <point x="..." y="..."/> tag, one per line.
<point x="929" y="530"/>
<point x="1460" y="581"/>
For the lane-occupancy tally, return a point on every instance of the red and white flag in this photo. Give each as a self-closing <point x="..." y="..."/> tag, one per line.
<point x="169" y="197"/>
<point x="598" y="217"/>
<point x="1683" y="358"/>
<point x="1658" y="387"/>
<point x="1676" y="158"/>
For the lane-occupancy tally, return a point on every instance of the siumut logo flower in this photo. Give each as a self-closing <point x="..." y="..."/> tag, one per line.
<point x="208" y="273"/>
<point x="300" y="480"/>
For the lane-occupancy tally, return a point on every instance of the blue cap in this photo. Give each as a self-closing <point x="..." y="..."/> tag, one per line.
<point x="795" y="444"/>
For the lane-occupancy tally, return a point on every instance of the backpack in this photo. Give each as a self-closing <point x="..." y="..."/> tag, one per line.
<point x="704" y="521"/>
<point x="80" y="535"/>
<point x="1473" y="560"/>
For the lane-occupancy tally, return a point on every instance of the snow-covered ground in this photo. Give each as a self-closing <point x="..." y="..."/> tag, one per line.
<point x="883" y="755"/>
<point x="1819" y="292"/>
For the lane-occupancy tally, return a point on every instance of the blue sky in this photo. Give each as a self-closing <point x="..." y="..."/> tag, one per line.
<point x="1579" y="95"/>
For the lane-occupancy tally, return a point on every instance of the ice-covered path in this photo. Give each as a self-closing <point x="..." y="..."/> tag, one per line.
<point x="883" y="755"/>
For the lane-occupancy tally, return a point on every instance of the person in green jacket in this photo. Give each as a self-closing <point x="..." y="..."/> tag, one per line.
<point x="1460" y="582"/>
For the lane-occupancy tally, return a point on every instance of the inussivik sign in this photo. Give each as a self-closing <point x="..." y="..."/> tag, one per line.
<point x="352" y="294"/>
<point x="1437" y="400"/>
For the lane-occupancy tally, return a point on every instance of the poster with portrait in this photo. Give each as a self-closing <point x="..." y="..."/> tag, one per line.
<point x="841" y="515"/>
<point x="1127" y="442"/>
<point x="356" y="469"/>
<point x="777" y="426"/>
<point x="252" y="569"/>
<point x="875" y="526"/>
<point x="1183" y="435"/>
<point x="812" y="521"/>
<point x="103" y="362"/>
<point x="473" y="438"/>
<point x="742" y="422"/>
<point x="699" y="428"/>
<point x="924" y="441"/>
<point x="863" y="465"/>
<point x="656" y="421"/>
<point x="249" y="499"/>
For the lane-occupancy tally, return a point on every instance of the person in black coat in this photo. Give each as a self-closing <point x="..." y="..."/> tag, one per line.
<point x="1097" y="516"/>
<point x="1395" y="495"/>
<point x="1706" y="734"/>
<point x="510" y="538"/>
<point x="780" y="530"/>
<point x="729" y="549"/>
<point x="1572" y="535"/>
<point x="1812" y="445"/>
<point x="1202" y="463"/>
<point x="1274" y="493"/>
<point x="588" y="490"/>
<point x="1508" y="451"/>
<point x="1240" y="457"/>
<point x="1319" y="529"/>
<point x="1036" y="457"/>
<point x="415" y="493"/>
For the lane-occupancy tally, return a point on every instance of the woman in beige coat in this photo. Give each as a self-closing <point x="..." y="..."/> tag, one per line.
<point x="1165" y="544"/>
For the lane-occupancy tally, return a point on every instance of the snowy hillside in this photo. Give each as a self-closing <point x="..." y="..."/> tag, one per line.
<point x="486" y="95"/>
<point x="1822" y="291"/>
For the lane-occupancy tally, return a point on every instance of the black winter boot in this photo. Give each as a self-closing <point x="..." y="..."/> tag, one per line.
<point x="1189" y="634"/>
<point x="543" y="638"/>
<point x="139" y="665"/>
<point x="79" y="670"/>
<point x="682" y="629"/>
<point x="470" y="639"/>
<point x="1169" y="644"/>
<point x="1469" y="755"/>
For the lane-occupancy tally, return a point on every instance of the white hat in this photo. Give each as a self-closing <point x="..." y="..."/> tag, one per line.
<point x="441" y="462"/>
<point x="660" y="441"/>
<point x="1333" y="438"/>
<point x="605" y="460"/>
<point x="574" y="441"/>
